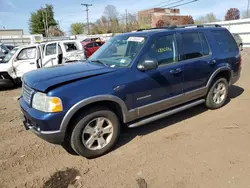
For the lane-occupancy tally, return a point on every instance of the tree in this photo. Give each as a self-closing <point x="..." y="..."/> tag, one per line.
<point x="188" y="20"/>
<point x="208" y="18"/>
<point x="232" y="14"/>
<point x="244" y="14"/>
<point x="160" y="23"/>
<point x="37" y="22"/>
<point x="111" y="13"/>
<point x="55" y="31"/>
<point x="77" y="28"/>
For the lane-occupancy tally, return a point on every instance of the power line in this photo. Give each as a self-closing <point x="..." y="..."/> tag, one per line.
<point x="162" y="2"/>
<point x="172" y="3"/>
<point x="184" y="4"/>
<point x="87" y="10"/>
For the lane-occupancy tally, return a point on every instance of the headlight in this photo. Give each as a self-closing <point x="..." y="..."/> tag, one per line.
<point x="46" y="103"/>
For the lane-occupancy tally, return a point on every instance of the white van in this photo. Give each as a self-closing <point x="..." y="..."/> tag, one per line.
<point x="30" y="57"/>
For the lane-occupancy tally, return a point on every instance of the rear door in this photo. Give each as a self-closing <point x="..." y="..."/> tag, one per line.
<point x="89" y="49"/>
<point x="197" y="59"/>
<point x="25" y="61"/>
<point x="50" y="54"/>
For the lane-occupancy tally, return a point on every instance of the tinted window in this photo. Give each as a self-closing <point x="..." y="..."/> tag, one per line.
<point x="204" y="44"/>
<point x="28" y="53"/>
<point x="191" y="46"/>
<point x="90" y="45"/>
<point x="98" y="44"/>
<point x="225" y="41"/>
<point x="163" y="50"/>
<point x="51" y="49"/>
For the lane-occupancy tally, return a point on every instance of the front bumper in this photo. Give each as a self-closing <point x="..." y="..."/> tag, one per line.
<point x="6" y="82"/>
<point x="42" y="124"/>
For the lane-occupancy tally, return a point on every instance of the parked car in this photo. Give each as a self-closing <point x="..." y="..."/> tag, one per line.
<point x="31" y="57"/>
<point x="91" y="47"/>
<point x="9" y="46"/>
<point x="238" y="40"/>
<point x="92" y="39"/>
<point x="150" y="75"/>
<point x="3" y="51"/>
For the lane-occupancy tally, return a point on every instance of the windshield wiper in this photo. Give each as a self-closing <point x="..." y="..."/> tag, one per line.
<point x="98" y="61"/>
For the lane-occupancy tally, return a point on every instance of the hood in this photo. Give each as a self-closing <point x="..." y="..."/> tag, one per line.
<point x="45" y="78"/>
<point x="4" y="67"/>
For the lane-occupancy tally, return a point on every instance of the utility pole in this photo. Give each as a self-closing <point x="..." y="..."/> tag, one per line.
<point x="248" y="8"/>
<point x="46" y="21"/>
<point x="87" y="10"/>
<point x="44" y="24"/>
<point x="126" y="20"/>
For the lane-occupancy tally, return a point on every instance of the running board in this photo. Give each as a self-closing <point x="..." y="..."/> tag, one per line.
<point x="166" y="113"/>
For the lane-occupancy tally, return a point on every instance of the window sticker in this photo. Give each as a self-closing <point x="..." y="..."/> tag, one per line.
<point x="136" y="39"/>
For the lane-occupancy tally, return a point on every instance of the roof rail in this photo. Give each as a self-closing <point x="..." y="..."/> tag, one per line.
<point x="181" y="26"/>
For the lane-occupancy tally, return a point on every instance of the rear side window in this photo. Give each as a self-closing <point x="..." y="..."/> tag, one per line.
<point x="194" y="45"/>
<point x="225" y="41"/>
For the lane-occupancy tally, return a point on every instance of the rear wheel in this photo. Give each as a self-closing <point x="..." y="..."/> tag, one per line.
<point x="217" y="94"/>
<point x="95" y="132"/>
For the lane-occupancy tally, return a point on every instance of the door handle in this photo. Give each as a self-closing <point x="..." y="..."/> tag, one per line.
<point x="212" y="62"/>
<point x="32" y="63"/>
<point x="176" y="71"/>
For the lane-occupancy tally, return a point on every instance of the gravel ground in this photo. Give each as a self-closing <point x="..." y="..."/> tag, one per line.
<point x="192" y="149"/>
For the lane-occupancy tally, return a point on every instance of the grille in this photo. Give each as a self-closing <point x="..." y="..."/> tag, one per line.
<point x="27" y="93"/>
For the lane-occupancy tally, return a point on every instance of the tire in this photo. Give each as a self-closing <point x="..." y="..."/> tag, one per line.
<point x="214" y="98"/>
<point x="91" y="145"/>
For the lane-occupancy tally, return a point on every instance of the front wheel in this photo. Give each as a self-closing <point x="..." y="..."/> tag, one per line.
<point x="95" y="132"/>
<point x="217" y="94"/>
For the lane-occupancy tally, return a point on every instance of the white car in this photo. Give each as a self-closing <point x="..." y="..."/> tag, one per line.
<point x="30" y="57"/>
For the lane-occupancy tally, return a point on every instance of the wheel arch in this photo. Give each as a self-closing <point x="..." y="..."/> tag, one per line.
<point x="224" y="71"/>
<point x="114" y="103"/>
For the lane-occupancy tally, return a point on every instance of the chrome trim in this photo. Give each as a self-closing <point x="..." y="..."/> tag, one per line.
<point x="90" y="100"/>
<point x="165" y="114"/>
<point x="159" y="105"/>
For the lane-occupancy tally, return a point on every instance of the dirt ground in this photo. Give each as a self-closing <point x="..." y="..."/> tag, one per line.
<point x="197" y="148"/>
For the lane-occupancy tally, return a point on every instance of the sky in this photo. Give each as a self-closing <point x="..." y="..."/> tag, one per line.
<point x="15" y="14"/>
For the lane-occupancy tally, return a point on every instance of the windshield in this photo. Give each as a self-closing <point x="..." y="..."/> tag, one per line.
<point x="9" y="55"/>
<point x="119" y="51"/>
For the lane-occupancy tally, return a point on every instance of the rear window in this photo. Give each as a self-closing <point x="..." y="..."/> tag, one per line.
<point x="225" y="41"/>
<point x="194" y="45"/>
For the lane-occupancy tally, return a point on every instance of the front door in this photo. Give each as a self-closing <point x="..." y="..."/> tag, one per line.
<point x="50" y="57"/>
<point x="161" y="88"/>
<point x="25" y="61"/>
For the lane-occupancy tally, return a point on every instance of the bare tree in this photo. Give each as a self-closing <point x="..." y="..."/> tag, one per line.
<point x="111" y="13"/>
<point x="208" y="18"/>
<point x="188" y="20"/>
<point x="160" y="23"/>
<point x="232" y="14"/>
<point x="55" y="31"/>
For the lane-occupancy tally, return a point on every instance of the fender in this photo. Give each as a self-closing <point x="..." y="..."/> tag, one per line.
<point x="90" y="100"/>
<point x="224" y="68"/>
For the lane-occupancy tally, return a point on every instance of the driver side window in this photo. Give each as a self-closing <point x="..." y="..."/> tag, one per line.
<point x="163" y="50"/>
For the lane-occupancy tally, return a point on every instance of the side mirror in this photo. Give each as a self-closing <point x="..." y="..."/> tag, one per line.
<point x="148" y="65"/>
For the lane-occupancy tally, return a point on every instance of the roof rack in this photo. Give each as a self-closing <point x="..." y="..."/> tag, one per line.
<point x="181" y="26"/>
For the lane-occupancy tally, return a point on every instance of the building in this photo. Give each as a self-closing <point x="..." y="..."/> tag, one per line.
<point x="149" y="18"/>
<point x="11" y="32"/>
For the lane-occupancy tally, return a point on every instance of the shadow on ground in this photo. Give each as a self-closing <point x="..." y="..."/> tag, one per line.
<point x="129" y="134"/>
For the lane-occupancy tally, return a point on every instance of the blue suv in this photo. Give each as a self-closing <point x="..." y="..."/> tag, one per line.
<point x="133" y="79"/>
